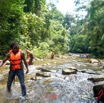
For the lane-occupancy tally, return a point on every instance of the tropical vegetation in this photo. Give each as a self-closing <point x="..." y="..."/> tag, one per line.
<point x="42" y="28"/>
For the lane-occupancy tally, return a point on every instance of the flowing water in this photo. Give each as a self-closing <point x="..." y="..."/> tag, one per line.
<point x="58" y="88"/>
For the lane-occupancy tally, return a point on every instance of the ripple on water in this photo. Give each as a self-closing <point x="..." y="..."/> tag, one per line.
<point x="56" y="90"/>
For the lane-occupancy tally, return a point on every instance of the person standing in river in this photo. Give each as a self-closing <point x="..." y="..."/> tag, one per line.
<point x="87" y="55"/>
<point x="52" y="55"/>
<point x="30" y="57"/>
<point x="16" y="56"/>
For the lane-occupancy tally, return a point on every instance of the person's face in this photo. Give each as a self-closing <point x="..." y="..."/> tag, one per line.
<point x="15" y="48"/>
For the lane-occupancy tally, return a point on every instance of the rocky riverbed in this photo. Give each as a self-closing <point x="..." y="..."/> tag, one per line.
<point x="46" y="82"/>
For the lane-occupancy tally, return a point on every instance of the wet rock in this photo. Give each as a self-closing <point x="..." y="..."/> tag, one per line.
<point x="96" y="79"/>
<point x="54" y="62"/>
<point x="101" y="64"/>
<point x="43" y="74"/>
<point x="7" y="62"/>
<point x="67" y="71"/>
<point x="99" y="93"/>
<point x="44" y="70"/>
<point x="88" y="72"/>
<point x="36" y="78"/>
<point x="72" y="68"/>
<point x="94" y="61"/>
<point x="44" y="65"/>
<point x="70" y="54"/>
<point x="33" y="78"/>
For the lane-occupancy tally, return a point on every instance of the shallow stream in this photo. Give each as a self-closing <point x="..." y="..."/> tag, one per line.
<point x="73" y="88"/>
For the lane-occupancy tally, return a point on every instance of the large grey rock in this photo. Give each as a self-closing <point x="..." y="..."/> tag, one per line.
<point x="43" y="74"/>
<point x="96" y="79"/>
<point x="94" y="61"/>
<point x="68" y="71"/>
<point x="44" y="70"/>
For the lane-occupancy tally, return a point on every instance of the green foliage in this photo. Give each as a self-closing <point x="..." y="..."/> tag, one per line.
<point x="96" y="29"/>
<point x="34" y="26"/>
<point x="78" y="44"/>
<point x="55" y="14"/>
<point x="102" y="40"/>
<point x="60" y="37"/>
<point x="10" y="12"/>
<point x="34" y="6"/>
<point x="29" y="6"/>
<point x="42" y="51"/>
<point x="44" y="46"/>
<point x="44" y="29"/>
<point x="68" y="20"/>
<point x="87" y="34"/>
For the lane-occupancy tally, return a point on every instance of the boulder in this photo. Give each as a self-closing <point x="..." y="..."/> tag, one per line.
<point x="67" y="71"/>
<point x="44" y="70"/>
<point x="94" y="61"/>
<point x="72" y="68"/>
<point x="96" y="79"/>
<point x="43" y="74"/>
<point x="88" y="72"/>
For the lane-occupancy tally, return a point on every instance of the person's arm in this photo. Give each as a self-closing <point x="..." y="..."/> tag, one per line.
<point x="5" y="59"/>
<point x="24" y="60"/>
<point x="32" y="56"/>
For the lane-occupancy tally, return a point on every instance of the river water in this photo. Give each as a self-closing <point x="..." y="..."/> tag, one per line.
<point x="73" y="88"/>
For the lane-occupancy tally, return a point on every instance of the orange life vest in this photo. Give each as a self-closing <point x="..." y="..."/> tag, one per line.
<point x="15" y="60"/>
<point x="52" y="55"/>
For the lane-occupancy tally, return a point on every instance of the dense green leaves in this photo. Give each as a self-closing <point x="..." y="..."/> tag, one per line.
<point x="33" y="25"/>
<point x="43" y="29"/>
<point x="92" y="29"/>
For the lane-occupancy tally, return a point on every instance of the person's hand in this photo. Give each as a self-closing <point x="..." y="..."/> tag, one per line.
<point x="1" y="63"/>
<point x="27" y="71"/>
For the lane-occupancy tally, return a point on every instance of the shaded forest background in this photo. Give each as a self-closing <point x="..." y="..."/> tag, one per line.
<point x="41" y="28"/>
